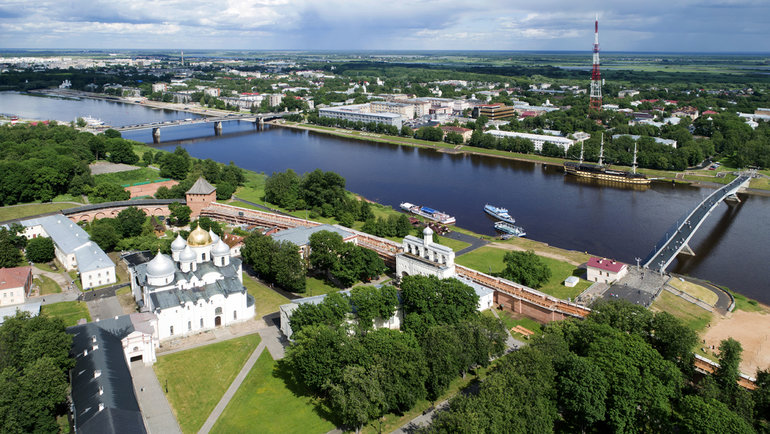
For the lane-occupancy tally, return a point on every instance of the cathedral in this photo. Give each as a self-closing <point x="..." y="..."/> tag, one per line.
<point x="199" y="288"/>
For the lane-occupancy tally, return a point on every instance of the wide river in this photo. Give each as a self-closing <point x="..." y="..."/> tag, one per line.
<point x="731" y="246"/>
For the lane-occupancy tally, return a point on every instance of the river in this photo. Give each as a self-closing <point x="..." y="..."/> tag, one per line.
<point x="730" y="247"/>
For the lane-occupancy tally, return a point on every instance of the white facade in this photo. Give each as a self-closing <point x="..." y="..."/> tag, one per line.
<point x="200" y="289"/>
<point x="360" y="113"/>
<point x="537" y="139"/>
<point x="425" y="258"/>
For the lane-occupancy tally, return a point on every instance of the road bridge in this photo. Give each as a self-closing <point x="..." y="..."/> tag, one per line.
<point x="676" y="239"/>
<point x="257" y="118"/>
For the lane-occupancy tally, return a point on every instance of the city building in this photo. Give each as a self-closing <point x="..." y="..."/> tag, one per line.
<point x="102" y="391"/>
<point x="407" y="111"/>
<point x="360" y="113"/>
<point x="200" y="195"/>
<point x="605" y="270"/>
<point x="159" y="87"/>
<point x="537" y="139"/>
<point x="423" y="257"/>
<point x="690" y="112"/>
<point x="660" y="140"/>
<point x="300" y="236"/>
<point x="628" y="92"/>
<point x="73" y="249"/>
<point x="212" y="91"/>
<point x="762" y="111"/>
<point x="494" y="111"/>
<point x="465" y="132"/>
<point x="199" y="288"/>
<point x="15" y="284"/>
<point x="275" y="99"/>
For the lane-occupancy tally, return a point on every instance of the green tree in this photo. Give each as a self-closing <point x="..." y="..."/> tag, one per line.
<point x="698" y="415"/>
<point x="729" y="360"/>
<point x="179" y="214"/>
<point x="105" y="233"/>
<point x="434" y="301"/>
<point x="325" y="248"/>
<point x="443" y="353"/>
<point x="525" y="268"/>
<point x="40" y="250"/>
<point x="373" y="303"/>
<point x="582" y="391"/>
<point x="121" y="151"/>
<point x="358" y="398"/>
<point x="289" y="267"/>
<point x="284" y="189"/>
<point x="112" y="134"/>
<point x="130" y="221"/>
<point x="175" y="165"/>
<point x="10" y="256"/>
<point x="148" y="157"/>
<point x="106" y="192"/>
<point x="225" y="190"/>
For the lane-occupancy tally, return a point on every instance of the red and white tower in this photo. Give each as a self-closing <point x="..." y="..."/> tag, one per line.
<point x="595" y="102"/>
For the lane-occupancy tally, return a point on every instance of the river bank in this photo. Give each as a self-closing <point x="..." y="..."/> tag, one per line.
<point x="759" y="186"/>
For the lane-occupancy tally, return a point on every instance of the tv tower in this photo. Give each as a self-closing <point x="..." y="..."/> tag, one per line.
<point x="595" y="102"/>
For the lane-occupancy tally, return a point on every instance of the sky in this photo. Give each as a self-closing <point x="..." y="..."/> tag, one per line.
<point x="638" y="25"/>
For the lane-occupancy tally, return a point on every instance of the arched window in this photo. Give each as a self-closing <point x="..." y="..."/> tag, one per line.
<point x="235" y="314"/>
<point x="218" y="311"/>
<point x="201" y="322"/>
<point x="189" y="325"/>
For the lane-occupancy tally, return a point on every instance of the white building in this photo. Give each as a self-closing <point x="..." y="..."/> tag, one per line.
<point x="73" y="249"/>
<point x="423" y="257"/>
<point x="537" y="139"/>
<point x="199" y="288"/>
<point x="361" y="113"/>
<point x="159" y="87"/>
<point x="605" y="270"/>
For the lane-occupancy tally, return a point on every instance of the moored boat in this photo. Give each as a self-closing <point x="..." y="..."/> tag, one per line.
<point x="499" y="213"/>
<point x="510" y="229"/>
<point x="428" y="213"/>
<point x="602" y="172"/>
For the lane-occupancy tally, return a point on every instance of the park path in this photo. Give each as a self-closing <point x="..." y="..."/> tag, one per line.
<point x="232" y="389"/>
<point x="156" y="411"/>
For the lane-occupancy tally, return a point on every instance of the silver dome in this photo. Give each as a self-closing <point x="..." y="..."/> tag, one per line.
<point x="178" y="244"/>
<point x="214" y="237"/>
<point x="160" y="266"/>
<point x="187" y="255"/>
<point x="220" y="249"/>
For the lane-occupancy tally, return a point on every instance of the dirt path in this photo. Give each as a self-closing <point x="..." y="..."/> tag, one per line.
<point x="539" y="252"/>
<point x="752" y="330"/>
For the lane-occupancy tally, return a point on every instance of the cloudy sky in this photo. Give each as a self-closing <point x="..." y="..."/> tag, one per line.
<point x="638" y="25"/>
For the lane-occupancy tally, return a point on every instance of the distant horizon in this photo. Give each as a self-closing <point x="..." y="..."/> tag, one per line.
<point x="653" y="26"/>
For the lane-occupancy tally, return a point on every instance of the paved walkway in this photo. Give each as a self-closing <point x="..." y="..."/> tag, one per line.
<point x="274" y="341"/>
<point x="57" y="277"/>
<point x="474" y="242"/>
<point x="232" y="389"/>
<point x="156" y="411"/>
<point x="104" y="307"/>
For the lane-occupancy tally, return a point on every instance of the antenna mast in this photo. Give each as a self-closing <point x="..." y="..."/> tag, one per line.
<point x="634" y="165"/>
<point x="595" y="101"/>
<point x="581" y="152"/>
<point x="601" y="150"/>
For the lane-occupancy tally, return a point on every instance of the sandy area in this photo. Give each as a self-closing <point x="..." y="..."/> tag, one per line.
<point x="752" y="330"/>
<point x="102" y="167"/>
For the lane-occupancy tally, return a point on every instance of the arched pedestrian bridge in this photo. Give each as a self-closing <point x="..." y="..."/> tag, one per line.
<point x="676" y="238"/>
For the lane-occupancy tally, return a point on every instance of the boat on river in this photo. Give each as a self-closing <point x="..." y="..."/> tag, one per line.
<point x="428" y="213"/>
<point x="499" y="213"/>
<point x="516" y="231"/>
<point x="602" y="172"/>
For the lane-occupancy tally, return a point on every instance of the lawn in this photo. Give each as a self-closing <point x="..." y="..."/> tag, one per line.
<point x="267" y="301"/>
<point x="46" y="266"/>
<point x="490" y="260"/>
<point x="452" y="244"/>
<point x="19" y="211"/>
<point x="47" y="285"/>
<point x="143" y="174"/>
<point x="314" y="286"/>
<point x="269" y="401"/>
<point x="198" y="378"/>
<point x="693" y="316"/>
<point x="511" y="320"/>
<point x="744" y="303"/>
<point x="69" y="311"/>
<point x="695" y="290"/>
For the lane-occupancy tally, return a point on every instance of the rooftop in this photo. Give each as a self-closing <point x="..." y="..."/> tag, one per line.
<point x="605" y="264"/>
<point x="14" y="277"/>
<point x="72" y="239"/>
<point x="201" y="186"/>
<point x="300" y="235"/>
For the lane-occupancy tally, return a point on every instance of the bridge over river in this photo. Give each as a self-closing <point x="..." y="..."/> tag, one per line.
<point x="258" y="118"/>
<point x="676" y="238"/>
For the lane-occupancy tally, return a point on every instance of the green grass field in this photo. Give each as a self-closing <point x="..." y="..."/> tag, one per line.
<point x="490" y="260"/>
<point x="267" y="301"/>
<point x="26" y="210"/>
<point x="315" y="286"/>
<point x="129" y="177"/>
<point x="269" y="401"/>
<point x="695" y="290"/>
<point x="69" y="311"/>
<point x="693" y="316"/>
<point x="511" y="320"/>
<point x="46" y="266"/>
<point x="452" y="244"/>
<point x="744" y="303"/>
<point x="193" y="391"/>
<point x="47" y="285"/>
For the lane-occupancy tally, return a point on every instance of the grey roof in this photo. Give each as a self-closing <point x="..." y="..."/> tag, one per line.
<point x="201" y="186"/>
<point x="121" y="411"/>
<point x="177" y="297"/>
<point x="33" y="308"/>
<point x="71" y="238"/>
<point x="300" y="235"/>
<point x="480" y="289"/>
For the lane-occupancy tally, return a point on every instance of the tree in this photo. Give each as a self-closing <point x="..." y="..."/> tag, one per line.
<point x="435" y="301"/>
<point x="317" y="356"/>
<point x="289" y="267"/>
<point x="121" y="151"/>
<point x="112" y="134"/>
<point x="673" y="340"/>
<point x="358" y="398"/>
<point x="325" y="248"/>
<point x="10" y="256"/>
<point x="105" y="233"/>
<point x="729" y="360"/>
<point x="698" y="415"/>
<point x="179" y="214"/>
<point x="442" y="348"/>
<point x="372" y="303"/>
<point x="130" y="221"/>
<point x="106" y="192"/>
<point x="225" y="190"/>
<point x="40" y="250"/>
<point x="525" y="268"/>
<point x="283" y="189"/>
<point x="175" y="165"/>
<point x="403" y="226"/>
<point x="148" y="157"/>
<point x="582" y="390"/>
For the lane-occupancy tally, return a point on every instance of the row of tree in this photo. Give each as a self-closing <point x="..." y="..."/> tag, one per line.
<point x="344" y="263"/>
<point x="623" y="369"/>
<point x="274" y="261"/>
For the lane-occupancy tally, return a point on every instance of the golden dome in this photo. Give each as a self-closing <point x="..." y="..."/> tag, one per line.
<point x="198" y="238"/>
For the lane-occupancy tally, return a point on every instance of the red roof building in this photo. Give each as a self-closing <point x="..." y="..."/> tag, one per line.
<point x="15" y="284"/>
<point x="605" y="270"/>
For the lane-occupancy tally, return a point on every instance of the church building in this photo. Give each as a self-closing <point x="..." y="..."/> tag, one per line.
<point x="199" y="288"/>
